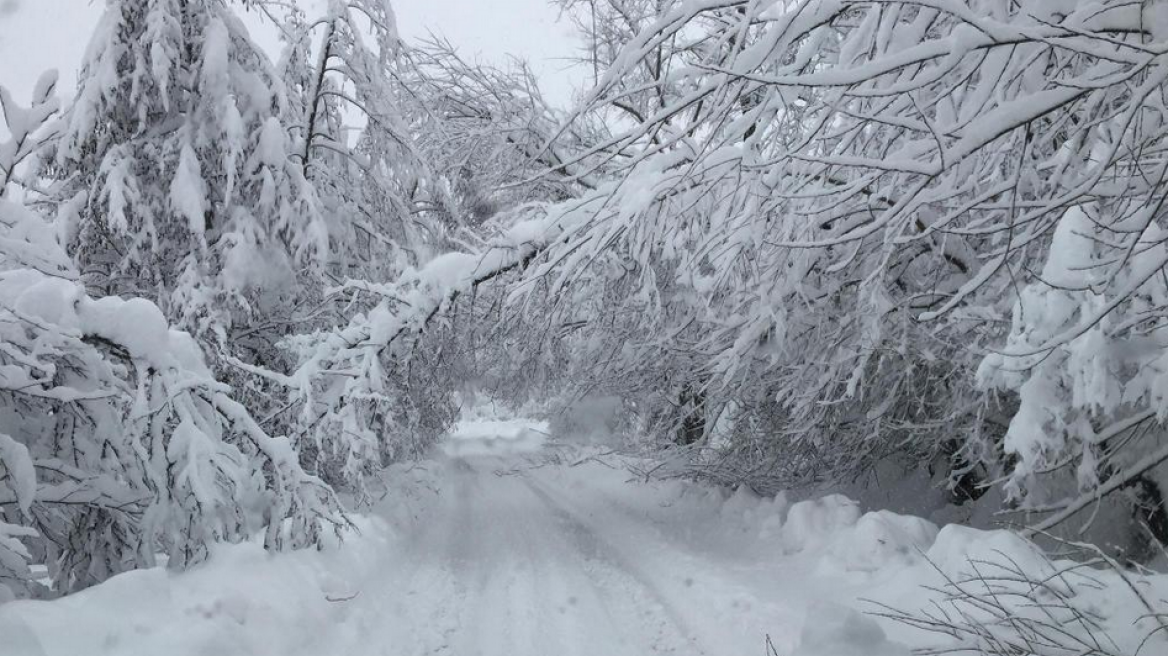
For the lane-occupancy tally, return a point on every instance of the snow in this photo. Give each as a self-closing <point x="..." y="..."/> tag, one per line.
<point x="810" y="524"/>
<point x="245" y="602"/>
<point x="842" y="631"/>
<point x="188" y="192"/>
<point x="216" y="45"/>
<point x="19" y="469"/>
<point x="29" y="241"/>
<point x="881" y="539"/>
<point x="14" y="558"/>
<point x="136" y="324"/>
<point x="271" y="148"/>
<point x="553" y="550"/>
<point x="492" y="436"/>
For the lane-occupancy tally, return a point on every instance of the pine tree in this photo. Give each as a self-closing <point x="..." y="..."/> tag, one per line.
<point x="173" y="174"/>
<point x="118" y="442"/>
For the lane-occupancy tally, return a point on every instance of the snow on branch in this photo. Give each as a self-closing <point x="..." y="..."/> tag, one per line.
<point x="118" y="441"/>
<point x="815" y="198"/>
<point x="342" y="381"/>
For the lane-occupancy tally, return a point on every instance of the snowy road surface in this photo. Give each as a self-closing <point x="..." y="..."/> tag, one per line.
<point x="517" y="563"/>
<point x="500" y="548"/>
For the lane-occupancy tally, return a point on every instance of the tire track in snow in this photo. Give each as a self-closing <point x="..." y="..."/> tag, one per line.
<point x="619" y="581"/>
<point x="715" y="592"/>
<point x="539" y="581"/>
<point x="416" y="607"/>
<point x="575" y="613"/>
<point x="504" y="568"/>
<point x="505" y="563"/>
<point x="489" y="563"/>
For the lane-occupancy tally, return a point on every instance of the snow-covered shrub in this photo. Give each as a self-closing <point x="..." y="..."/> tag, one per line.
<point x="995" y="592"/>
<point x="1001" y="607"/>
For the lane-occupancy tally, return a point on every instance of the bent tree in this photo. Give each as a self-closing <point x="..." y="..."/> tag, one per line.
<point x="884" y="227"/>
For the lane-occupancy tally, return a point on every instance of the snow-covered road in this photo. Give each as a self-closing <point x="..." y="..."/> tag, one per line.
<point x="516" y="563"/>
<point x="503" y="548"/>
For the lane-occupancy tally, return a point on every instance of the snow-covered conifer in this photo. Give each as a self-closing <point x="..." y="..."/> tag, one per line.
<point x="117" y="443"/>
<point x="173" y="175"/>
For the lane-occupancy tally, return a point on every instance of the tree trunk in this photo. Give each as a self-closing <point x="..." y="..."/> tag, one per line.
<point x="693" y="422"/>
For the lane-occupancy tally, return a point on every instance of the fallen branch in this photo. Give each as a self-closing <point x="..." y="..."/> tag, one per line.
<point x="341" y="599"/>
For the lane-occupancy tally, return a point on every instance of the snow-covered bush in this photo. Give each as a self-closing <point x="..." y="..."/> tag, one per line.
<point x="1003" y="607"/>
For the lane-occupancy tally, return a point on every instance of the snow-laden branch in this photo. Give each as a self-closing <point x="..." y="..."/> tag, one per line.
<point x="828" y="213"/>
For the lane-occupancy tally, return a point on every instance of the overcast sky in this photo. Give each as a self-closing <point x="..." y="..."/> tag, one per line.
<point x="40" y="34"/>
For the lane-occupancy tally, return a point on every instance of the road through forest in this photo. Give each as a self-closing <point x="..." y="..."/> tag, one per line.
<point x="500" y="547"/>
<point x="514" y="562"/>
<point x="521" y="554"/>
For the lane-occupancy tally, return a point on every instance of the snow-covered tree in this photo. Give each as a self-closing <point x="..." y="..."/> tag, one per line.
<point x="483" y="131"/>
<point x="352" y="138"/>
<point x="116" y="441"/>
<point x="412" y="152"/>
<point x="823" y="226"/>
<point x="407" y="144"/>
<point x="173" y="176"/>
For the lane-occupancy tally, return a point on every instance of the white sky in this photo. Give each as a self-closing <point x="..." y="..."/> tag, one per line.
<point x="493" y="29"/>
<point x="39" y="34"/>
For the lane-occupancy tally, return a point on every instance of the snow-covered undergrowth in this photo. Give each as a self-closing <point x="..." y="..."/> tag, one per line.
<point x="876" y="583"/>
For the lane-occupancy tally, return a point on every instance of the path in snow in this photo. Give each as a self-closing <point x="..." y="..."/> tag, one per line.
<point x="514" y="562"/>
<point x="501" y="548"/>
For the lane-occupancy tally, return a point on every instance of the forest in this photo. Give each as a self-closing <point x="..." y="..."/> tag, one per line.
<point x="791" y="247"/>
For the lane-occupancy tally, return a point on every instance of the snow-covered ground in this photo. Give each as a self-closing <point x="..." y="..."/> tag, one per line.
<point x="479" y="435"/>
<point x="508" y="546"/>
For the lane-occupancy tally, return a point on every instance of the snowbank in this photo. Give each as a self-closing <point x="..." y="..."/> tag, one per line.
<point x="244" y="600"/>
<point x="856" y="562"/>
<point x="836" y="630"/>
